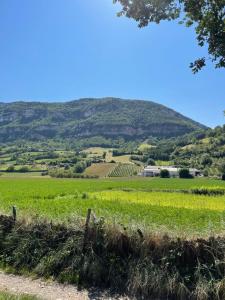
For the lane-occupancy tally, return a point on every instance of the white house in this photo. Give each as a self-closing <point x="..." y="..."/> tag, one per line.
<point x="152" y="171"/>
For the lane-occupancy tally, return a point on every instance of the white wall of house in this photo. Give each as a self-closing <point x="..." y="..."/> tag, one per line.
<point x="152" y="171"/>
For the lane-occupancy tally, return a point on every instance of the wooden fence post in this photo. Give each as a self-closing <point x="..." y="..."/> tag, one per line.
<point x="14" y="213"/>
<point x="86" y="230"/>
<point x="84" y="246"/>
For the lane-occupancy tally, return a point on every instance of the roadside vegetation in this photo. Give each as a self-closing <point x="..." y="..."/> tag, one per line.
<point x="7" y="296"/>
<point x="145" y="265"/>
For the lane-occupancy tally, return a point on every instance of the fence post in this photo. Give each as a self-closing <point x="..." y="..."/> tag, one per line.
<point x="14" y="213"/>
<point x="86" y="229"/>
<point x="84" y="247"/>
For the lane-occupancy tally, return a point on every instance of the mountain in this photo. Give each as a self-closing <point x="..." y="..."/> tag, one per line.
<point x="106" y="117"/>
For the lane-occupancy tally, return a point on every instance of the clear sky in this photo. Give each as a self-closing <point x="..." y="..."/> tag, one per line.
<point x="58" y="50"/>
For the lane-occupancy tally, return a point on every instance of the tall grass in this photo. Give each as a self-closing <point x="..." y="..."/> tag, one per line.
<point x="7" y="296"/>
<point x="141" y="265"/>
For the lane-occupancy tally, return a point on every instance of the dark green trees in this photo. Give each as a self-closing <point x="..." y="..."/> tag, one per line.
<point x="164" y="174"/>
<point x="184" y="173"/>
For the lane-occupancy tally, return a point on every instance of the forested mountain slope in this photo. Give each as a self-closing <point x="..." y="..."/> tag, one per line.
<point x="106" y="117"/>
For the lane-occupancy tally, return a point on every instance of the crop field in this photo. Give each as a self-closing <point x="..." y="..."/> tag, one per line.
<point x="125" y="170"/>
<point x="20" y="175"/>
<point x="156" y="204"/>
<point x="118" y="159"/>
<point x="100" y="169"/>
<point x="98" y="151"/>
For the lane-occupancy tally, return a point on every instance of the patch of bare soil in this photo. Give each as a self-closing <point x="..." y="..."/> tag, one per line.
<point x="47" y="290"/>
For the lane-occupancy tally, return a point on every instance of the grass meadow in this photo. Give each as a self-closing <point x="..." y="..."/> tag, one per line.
<point x="162" y="205"/>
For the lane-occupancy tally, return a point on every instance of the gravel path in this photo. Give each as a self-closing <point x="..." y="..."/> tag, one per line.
<point x="45" y="290"/>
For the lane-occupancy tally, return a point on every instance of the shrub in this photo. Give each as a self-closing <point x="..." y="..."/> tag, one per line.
<point x="164" y="173"/>
<point x="205" y="173"/>
<point x="128" y="263"/>
<point x="135" y="157"/>
<point x="44" y="173"/>
<point x="23" y="169"/>
<point x="185" y="173"/>
<point x="10" y="169"/>
<point x="206" y="160"/>
<point x="210" y="191"/>
<point x="223" y="177"/>
<point x="79" y="168"/>
<point x="151" y="162"/>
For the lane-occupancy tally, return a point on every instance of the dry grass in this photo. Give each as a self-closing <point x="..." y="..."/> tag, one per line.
<point x="144" y="266"/>
<point x="101" y="169"/>
<point x="118" y="159"/>
<point x="96" y="150"/>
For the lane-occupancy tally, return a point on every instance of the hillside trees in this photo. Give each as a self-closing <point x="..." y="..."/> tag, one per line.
<point x="185" y="173"/>
<point x="164" y="173"/>
<point x="207" y="16"/>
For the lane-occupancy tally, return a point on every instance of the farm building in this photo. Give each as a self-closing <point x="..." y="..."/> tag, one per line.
<point x="152" y="171"/>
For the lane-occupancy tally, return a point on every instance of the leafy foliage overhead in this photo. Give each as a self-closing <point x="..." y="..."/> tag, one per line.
<point x="208" y="17"/>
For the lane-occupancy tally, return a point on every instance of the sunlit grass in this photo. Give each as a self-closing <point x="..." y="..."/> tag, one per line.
<point x="177" y="200"/>
<point x="130" y="203"/>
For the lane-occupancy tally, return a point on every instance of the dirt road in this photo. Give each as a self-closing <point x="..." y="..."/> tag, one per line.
<point x="46" y="290"/>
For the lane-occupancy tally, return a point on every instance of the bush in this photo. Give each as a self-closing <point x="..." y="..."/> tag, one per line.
<point x="208" y="191"/>
<point x="23" y="169"/>
<point x="79" y="168"/>
<point x="164" y="173"/>
<point x="151" y="162"/>
<point x="10" y="169"/>
<point x="205" y="173"/>
<point x="44" y="173"/>
<point x="185" y="173"/>
<point x="223" y="177"/>
<point x="127" y="263"/>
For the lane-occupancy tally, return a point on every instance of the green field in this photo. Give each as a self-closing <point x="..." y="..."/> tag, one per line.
<point x="157" y="204"/>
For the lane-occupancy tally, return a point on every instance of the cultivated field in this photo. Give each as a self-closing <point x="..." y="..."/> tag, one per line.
<point x="165" y="205"/>
<point x="98" y="151"/>
<point x="100" y="169"/>
<point x="125" y="170"/>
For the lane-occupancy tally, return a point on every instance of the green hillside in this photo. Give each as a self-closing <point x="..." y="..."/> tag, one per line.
<point x="204" y="150"/>
<point x="85" y="118"/>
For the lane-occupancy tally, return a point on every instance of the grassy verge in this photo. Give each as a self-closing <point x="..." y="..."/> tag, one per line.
<point x="145" y="266"/>
<point x="7" y="296"/>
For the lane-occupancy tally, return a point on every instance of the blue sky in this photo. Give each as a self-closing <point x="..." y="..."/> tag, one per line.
<point x="58" y="50"/>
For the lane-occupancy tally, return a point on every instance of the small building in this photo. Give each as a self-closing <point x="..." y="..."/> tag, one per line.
<point x="153" y="171"/>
